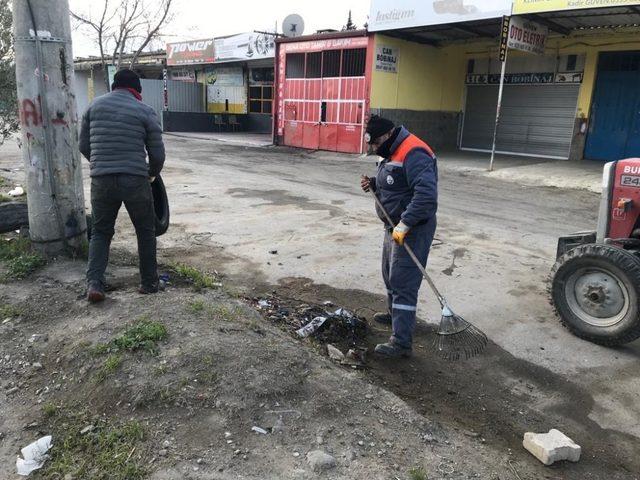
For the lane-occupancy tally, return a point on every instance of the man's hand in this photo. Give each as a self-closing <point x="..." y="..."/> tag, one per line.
<point x="152" y="179"/>
<point x="399" y="233"/>
<point x="365" y="183"/>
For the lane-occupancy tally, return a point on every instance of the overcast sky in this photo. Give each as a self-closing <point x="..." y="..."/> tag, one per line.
<point x="215" y="18"/>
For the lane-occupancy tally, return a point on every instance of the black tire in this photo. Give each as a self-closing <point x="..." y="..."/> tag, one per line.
<point x="595" y="290"/>
<point x="161" y="206"/>
<point x="13" y="215"/>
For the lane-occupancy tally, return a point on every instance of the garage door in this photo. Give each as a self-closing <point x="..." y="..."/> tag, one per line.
<point x="536" y="120"/>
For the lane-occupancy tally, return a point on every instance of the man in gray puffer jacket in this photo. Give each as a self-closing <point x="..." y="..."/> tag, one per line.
<point x="118" y="131"/>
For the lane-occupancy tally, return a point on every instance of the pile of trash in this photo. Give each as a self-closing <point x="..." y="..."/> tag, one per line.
<point x="324" y="323"/>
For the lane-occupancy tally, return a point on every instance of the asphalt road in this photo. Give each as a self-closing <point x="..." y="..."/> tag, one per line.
<point x="495" y="246"/>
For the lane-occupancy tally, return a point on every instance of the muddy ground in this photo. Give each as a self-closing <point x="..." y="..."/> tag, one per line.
<point x="232" y="206"/>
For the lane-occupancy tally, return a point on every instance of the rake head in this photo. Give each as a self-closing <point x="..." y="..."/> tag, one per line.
<point x="456" y="338"/>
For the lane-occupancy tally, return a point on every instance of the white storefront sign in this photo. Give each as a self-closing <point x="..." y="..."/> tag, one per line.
<point x="527" y="36"/>
<point x="244" y="46"/>
<point x="387" y="59"/>
<point x="183" y="75"/>
<point x="393" y="14"/>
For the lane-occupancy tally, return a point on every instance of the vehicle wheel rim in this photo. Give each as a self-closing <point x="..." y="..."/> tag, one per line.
<point x="598" y="297"/>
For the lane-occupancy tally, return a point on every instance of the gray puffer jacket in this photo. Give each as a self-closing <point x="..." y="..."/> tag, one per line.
<point x="116" y="130"/>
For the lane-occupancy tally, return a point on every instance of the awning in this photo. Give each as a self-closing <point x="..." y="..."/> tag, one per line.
<point x="560" y="22"/>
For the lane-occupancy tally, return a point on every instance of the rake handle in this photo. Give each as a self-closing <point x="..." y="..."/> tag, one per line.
<point x="412" y="255"/>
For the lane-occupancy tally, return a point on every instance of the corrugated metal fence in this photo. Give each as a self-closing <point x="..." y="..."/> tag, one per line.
<point x="183" y="96"/>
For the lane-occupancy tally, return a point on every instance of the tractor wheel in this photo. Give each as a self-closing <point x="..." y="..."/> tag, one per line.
<point x="596" y="292"/>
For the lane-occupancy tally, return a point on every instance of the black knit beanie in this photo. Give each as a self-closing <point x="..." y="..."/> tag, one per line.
<point x="376" y="127"/>
<point x="126" y="78"/>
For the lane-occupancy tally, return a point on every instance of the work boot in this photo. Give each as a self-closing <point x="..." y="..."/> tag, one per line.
<point x="148" y="289"/>
<point x="95" y="292"/>
<point x="392" y="350"/>
<point x="382" y="318"/>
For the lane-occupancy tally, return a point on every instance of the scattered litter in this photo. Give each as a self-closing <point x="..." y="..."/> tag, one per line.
<point x="355" y="358"/>
<point x="311" y="327"/>
<point x="16" y="192"/>
<point x="34" y="455"/>
<point x="273" y="252"/>
<point x="323" y="322"/>
<point x="38" y="337"/>
<point x="87" y="429"/>
<point x="334" y="353"/>
<point x="259" y="430"/>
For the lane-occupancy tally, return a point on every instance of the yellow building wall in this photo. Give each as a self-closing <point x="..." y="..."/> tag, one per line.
<point x="431" y="78"/>
<point x="428" y="78"/>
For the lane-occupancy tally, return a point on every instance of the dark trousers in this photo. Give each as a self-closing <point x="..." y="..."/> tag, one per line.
<point x="108" y="193"/>
<point x="403" y="279"/>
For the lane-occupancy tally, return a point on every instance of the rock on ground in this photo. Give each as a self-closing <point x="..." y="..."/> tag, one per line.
<point x="320" y="461"/>
<point x="551" y="447"/>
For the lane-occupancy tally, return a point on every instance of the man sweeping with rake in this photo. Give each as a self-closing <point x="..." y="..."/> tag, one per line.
<point x="406" y="186"/>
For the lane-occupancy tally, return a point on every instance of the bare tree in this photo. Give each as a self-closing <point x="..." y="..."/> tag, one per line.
<point x="125" y="28"/>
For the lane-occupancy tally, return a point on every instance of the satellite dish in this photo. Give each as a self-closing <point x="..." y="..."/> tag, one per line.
<point x="293" y="25"/>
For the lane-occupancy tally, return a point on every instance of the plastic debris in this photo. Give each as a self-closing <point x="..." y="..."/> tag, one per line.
<point x="334" y="353"/>
<point x="34" y="455"/>
<point x="324" y="322"/>
<point x="259" y="430"/>
<point x="16" y="192"/>
<point x="311" y="327"/>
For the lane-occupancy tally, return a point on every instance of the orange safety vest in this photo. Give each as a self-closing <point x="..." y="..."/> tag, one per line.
<point x="410" y="143"/>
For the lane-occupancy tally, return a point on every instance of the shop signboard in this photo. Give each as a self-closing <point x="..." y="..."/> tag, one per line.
<point x="394" y="14"/>
<point x="387" y="59"/>
<point x="524" y="78"/>
<point x="537" y="6"/>
<point x="244" y="46"/>
<point x="321" y="45"/>
<point x="527" y="36"/>
<point x="183" y="75"/>
<point x="190" y="53"/>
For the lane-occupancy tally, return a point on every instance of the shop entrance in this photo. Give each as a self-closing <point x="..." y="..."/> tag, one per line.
<point x="614" y="127"/>
<point x="324" y="99"/>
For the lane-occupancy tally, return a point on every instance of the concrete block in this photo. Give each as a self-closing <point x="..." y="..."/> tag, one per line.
<point x="551" y="447"/>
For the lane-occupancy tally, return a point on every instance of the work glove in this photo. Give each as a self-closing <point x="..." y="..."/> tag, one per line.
<point x="399" y="233"/>
<point x="367" y="183"/>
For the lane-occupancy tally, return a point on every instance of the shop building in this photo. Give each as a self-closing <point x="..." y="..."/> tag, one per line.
<point x="576" y="98"/>
<point x="323" y="88"/>
<point x="233" y="76"/>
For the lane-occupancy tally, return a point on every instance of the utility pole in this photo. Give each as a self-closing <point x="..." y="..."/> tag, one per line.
<point x="48" y="124"/>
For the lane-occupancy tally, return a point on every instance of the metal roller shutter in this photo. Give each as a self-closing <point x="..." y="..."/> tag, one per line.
<point x="536" y="120"/>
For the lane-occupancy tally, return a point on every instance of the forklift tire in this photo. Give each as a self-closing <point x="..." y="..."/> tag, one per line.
<point x="595" y="290"/>
<point x="160" y="205"/>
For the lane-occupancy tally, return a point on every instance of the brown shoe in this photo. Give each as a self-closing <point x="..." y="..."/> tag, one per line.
<point x="95" y="292"/>
<point x="146" y="290"/>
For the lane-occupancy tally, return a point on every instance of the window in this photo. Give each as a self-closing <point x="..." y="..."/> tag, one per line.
<point x="353" y="62"/>
<point x="260" y="98"/>
<point x="261" y="75"/>
<point x="314" y="65"/>
<point x="295" y="65"/>
<point x="331" y="63"/>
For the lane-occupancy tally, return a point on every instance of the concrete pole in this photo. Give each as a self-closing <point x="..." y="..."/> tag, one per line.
<point x="48" y="124"/>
